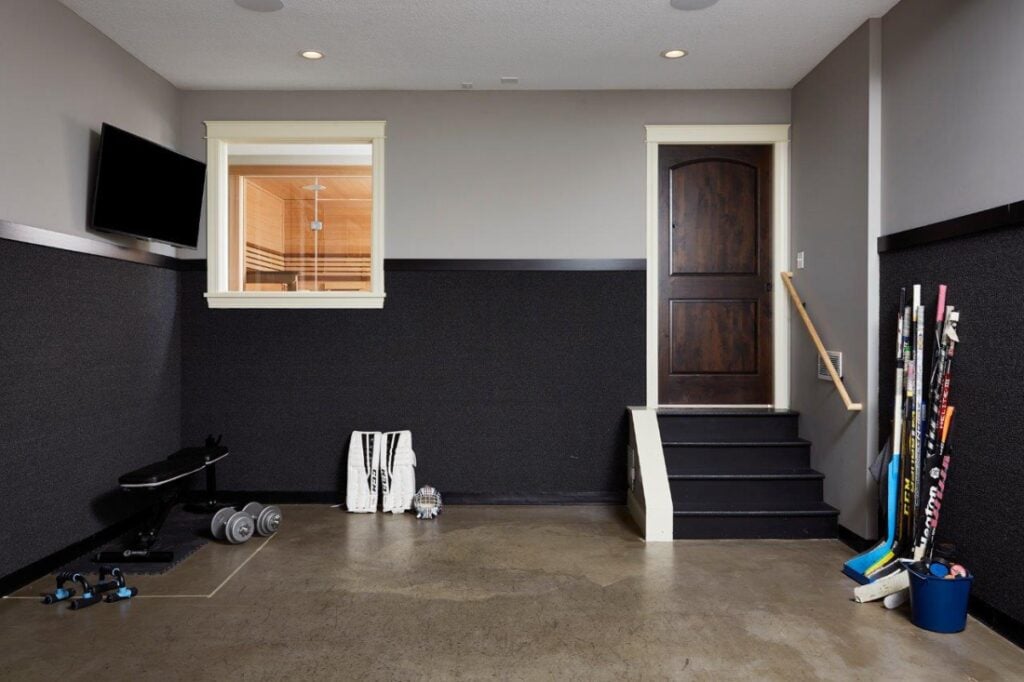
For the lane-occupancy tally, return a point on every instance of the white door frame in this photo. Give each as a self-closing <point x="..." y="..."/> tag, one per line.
<point x="776" y="135"/>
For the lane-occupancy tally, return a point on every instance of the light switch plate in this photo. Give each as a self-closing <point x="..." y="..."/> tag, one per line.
<point x="799" y="260"/>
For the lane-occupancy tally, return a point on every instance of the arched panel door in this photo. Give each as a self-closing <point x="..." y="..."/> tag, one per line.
<point x="714" y="270"/>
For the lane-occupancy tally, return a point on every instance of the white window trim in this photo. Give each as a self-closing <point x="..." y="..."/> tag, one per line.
<point x="776" y="135"/>
<point x="219" y="136"/>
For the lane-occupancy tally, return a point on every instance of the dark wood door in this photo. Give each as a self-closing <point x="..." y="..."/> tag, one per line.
<point x="715" y="275"/>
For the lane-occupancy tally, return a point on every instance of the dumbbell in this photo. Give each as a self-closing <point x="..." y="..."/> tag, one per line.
<point x="267" y="519"/>
<point x="232" y="525"/>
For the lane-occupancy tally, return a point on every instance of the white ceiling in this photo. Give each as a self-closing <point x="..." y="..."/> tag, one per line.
<point x="438" y="44"/>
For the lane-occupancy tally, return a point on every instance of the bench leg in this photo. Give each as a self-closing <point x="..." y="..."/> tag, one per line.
<point x="211" y="504"/>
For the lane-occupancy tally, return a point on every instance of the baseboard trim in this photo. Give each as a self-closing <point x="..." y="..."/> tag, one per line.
<point x="853" y="540"/>
<point x="605" y="498"/>
<point x="1000" y="623"/>
<point x="236" y="497"/>
<point x="23" y="576"/>
<point x="241" y="497"/>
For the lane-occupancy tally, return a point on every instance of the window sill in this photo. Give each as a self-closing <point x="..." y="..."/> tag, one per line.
<point x="294" y="299"/>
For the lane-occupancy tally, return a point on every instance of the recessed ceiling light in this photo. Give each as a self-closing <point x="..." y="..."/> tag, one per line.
<point x="261" y="5"/>
<point x="692" y="4"/>
<point x="673" y="54"/>
<point x="312" y="54"/>
<point x="466" y="85"/>
<point x="509" y="80"/>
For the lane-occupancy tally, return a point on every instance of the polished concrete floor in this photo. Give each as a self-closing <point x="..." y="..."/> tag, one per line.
<point x="537" y="593"/>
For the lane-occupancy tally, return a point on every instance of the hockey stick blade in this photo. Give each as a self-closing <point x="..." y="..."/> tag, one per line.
<point x="856" y="568"/>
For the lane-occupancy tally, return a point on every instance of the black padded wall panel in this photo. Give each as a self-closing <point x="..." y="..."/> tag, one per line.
<point x="981" y="509"/>
<point x="90" y="387"/>
<point x="511" y="382"/>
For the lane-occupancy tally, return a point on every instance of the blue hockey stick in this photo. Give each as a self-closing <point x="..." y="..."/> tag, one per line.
<point x="855" y="567"/>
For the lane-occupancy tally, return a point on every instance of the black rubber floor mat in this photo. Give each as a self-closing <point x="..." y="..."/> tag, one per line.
<point x="183" y="533"/>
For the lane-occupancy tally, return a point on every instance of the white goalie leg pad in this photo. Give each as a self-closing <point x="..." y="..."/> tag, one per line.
<point x="397" y="471"/>
<point x="883" y="587"/>
<point x="363" y="471"/>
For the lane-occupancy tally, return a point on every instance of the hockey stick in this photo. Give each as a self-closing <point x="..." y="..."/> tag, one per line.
<point x="904" y="393"/>
<point x="941" y="417"/>
<point x="919" y="419"/>
<point x="932" y="509"/>
<point x="906" y="530"/>
<point x="933" y="416"/>
<point x="857" y="567"/>
<point x="937" y="492"/>
<point x="927" y="452"/>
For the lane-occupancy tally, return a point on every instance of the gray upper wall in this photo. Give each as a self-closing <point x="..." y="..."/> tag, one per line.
<point x="60" y="79"/>
<point x="469" y="174"/>
<point x="952" y="72"/>
<point x="829" y="215"/>
<point x="503" y="174"/>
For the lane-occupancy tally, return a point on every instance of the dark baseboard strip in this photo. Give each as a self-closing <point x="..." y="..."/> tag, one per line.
<point x="854" y="541"/>
<point x="535" y="498"/>
<point x="1006" y="626"/>
<point x="241" y="497"/>
<point x="332" y="497"/>
<point x="48" y="564"/>
<point x="1010" y="215"/>
<point x="544" y="264"/>
<point x="69" y="242"/>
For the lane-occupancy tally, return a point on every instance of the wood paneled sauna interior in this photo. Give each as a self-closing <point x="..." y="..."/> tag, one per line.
<point x="300" y="227"/>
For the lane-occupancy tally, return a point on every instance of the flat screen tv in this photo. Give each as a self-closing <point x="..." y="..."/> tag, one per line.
<point x="146" y="190"/>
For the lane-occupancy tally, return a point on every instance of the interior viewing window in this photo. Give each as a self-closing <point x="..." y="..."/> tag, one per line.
<point x="299" y="224"/>
<point x="295" y="214"/>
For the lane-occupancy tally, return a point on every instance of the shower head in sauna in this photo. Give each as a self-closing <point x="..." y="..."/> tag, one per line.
<point x="316" y="225"/>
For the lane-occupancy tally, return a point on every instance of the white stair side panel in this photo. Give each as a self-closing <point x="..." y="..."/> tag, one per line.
<point x="649" y="497"/>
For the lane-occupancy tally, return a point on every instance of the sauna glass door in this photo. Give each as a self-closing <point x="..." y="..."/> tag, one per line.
<point x="299" y="224"/>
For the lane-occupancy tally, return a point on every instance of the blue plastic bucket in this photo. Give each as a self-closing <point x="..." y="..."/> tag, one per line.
<point x="938" y="604"/>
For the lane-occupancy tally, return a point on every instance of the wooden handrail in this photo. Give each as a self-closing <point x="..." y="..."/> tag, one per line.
<point x="787" y="279"/>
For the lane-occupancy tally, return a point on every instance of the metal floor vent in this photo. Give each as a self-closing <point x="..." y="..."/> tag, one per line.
<point x="837" y="361"/>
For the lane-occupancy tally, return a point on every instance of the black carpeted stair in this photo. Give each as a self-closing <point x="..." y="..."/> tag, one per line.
<point x="742" y="473"/>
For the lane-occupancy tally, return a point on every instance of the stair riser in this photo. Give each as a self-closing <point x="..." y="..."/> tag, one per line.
<point x="715" y="527"/>
<point x="696" y="459"/>
<point x="726" y="428"/>
<point x="744" y="495"/>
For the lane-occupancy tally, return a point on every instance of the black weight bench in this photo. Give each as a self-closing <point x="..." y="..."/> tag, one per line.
<point x="163" y="482"/>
